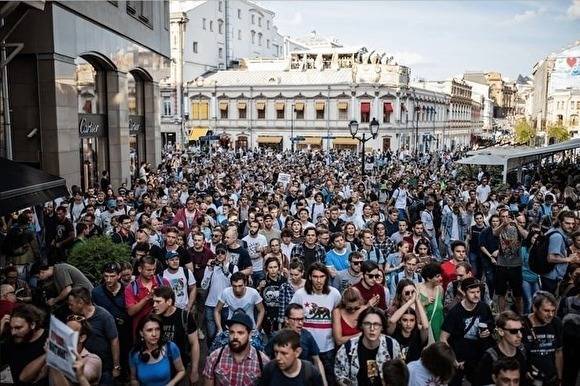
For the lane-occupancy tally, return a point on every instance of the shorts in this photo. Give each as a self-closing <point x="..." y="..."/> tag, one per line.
<point x="508" y="276"/>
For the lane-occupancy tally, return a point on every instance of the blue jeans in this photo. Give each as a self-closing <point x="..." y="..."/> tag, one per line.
<point x="257" y="277"/>
<point x="327" y="359"/>
<point x="402" y="214"/>
<point x="434" y="246"/>
<point x="475" y="262"/>
<point x="488" y="269"/>
<point x="529" y="289"/>
<point x="211" y="323"/>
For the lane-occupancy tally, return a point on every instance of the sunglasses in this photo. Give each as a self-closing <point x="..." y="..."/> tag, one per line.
<point x="75" y="318"/>
<point x="374" y="276"/>
<point x="409" y="293"/>
<point x="356" y="262"/>
<point x="514" y="331"/>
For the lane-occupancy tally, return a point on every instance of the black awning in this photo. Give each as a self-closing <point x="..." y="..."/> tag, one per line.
<point x="23" y="186"/>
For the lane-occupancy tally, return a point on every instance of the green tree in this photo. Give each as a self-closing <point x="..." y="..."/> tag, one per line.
<point x="524" y="132"/>
<point x="91" y="255"/>
<point x="557" y="132"/>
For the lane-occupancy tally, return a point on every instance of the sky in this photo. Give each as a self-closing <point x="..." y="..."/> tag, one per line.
<point x="439" y="39"/>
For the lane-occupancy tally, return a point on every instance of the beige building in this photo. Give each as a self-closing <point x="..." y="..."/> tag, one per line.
<point x="308" y="100"/>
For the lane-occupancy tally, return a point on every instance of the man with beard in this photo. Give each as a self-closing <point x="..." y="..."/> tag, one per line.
<point x="25" y="344"/>
<point x="288" y="368"/>
<point x="237" y="253"/>
<point x="256" y="244"/>
<point x="417" y="235"/>
<point x="238" y="363"/>
<point x="351" y="275"/>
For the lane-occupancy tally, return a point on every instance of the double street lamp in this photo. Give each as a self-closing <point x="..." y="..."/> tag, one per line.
<point x="353" y="126"/>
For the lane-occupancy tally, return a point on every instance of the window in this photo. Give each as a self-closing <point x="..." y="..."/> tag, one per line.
<point x="239" y="34"/>
<point x="261" y="107"/>
<point x="280" y="110"/>
<point x="259" y="38"/>
<point x="267" y="43"/>
<point x="223" y="109"/>
<point x="199" y="110"/>
<point x="253" y="19"/>
<point x="253" y="37"/>
<point x="387" y="110"/>
<point x="578" y="105"/>
<point x="267" y="24"/>
<point x="221" y="26"/>
<point x="211" y="25"/>
<point x="166" y="106"/>
<point x="220" y="6"/>
<point x="242" y="110"/>
<point x="195" y="47"/>
<point x="259" y="22"/>
<point x="365" y="111"/>
<point x="141" y="10"/>
<point x="166" y="14"/>
<point x="342" y="110"/>
<point x="319" y="106"/>
<point x="203" y="21"/>
<point x="239" y="13"/>
<point x="300" y="114"/>
<point x="262" y="114"/>
<point x="220" y="52"/>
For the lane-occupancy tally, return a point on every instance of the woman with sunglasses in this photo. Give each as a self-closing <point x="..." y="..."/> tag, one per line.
<point x="153" y="359"/>
<point x="345" y="316"/>
<point x="405" y="289"/>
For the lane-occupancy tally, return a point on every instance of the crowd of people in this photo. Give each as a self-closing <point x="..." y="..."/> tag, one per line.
<point x="258" y="268"/>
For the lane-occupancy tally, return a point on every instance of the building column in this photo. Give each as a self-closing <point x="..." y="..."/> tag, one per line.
<point x="118" y="128"/>
<point x="153" y="124"/>
<point x="58" y="106"/>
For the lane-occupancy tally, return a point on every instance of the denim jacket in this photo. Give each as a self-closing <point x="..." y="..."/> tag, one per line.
<point x="447" y="225"/>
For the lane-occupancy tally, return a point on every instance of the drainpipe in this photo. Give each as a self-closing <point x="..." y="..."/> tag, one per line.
<point x="5" y="101"/>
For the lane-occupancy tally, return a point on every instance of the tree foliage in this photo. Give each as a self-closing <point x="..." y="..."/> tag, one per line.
<point x="91" y="255"/>
<point x="524" y="132"/>
<point x="558" y="132"/>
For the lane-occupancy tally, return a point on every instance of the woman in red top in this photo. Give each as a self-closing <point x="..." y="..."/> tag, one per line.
<point x="345" y="316"/>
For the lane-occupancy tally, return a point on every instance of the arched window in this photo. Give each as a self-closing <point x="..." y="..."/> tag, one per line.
<point x="220" y="26"/>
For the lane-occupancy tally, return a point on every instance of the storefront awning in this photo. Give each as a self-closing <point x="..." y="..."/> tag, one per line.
<point x="22" y="186"/>
<point x="388" y="107"/>
<point x="224" y="105"/>
<point x="280" y="105"/>
<point x="311" y="141"/>
<point x="260" y="105"/>
<point x="319" y="106"/>
<point x="343" y="105"/>
<point x="269" y="139"/>
<point x="197" y="132"/>
<point x="299" y="106"/>
<point x="345" y="141"/>
<point x="365" y="107"/>
<point x="241" y="105"/>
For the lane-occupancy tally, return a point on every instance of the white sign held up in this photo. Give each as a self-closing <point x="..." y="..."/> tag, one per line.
<point x="62" y="343"/>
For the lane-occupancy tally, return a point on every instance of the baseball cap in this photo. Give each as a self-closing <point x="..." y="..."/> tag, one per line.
<point x="221" y="247"/>
<point x="171" y="254"/>
<point x="111" y="204"/>
<point x="240" y="317"/>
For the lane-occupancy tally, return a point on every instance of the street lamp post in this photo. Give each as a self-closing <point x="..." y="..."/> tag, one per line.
<point x="353" y="126"/>
<point x="292" y="128"/>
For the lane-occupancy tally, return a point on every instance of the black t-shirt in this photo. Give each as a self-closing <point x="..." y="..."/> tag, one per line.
<point x="411" y="346"/>
<point x="541" y="343"/>
<point x="466" y="342"/>
<point x="484" y="368"/>
<point x="18" y="355"/>
<point x="199" y="261"/>
<point x="63" y="230"/>
<point x="103" y="330"/>
<point x="309" y="257"/>
<point x="176" y="328"/>
<point x="273" y="376"/>
<point x="271" y="296"/>
<point x="369" y="372"/>
<point x="240" y="257"/>
<point x="474" y="239"/>
<point x="184" y="257"/>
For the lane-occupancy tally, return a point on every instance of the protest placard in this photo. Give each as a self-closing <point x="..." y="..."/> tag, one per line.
<point x="284" y="178"/>
<point x="62" y="342"/>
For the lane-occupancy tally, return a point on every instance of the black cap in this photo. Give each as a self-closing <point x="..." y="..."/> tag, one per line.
<point x="469" y="283"/>
<point x="240" y="318"/>
<point x="221" y="247"/>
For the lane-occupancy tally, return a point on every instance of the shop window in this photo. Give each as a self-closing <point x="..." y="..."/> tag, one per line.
<point x="135" y="100"/>
<point x="91" y="88"/>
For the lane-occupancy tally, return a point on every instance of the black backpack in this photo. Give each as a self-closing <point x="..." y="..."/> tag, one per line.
<point x="538" y="258"/>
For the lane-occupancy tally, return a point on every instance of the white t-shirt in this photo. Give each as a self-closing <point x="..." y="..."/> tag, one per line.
<point x="254" y="245"/>
<point x="318" y="315"/>
<point x="420" y="376"/>
<point x="482" y="192"/>
<point x="400" y="196"/>
<point x="287" y="249"/>
<point x="215" y="280"/>
<point x="180" y="289"/>
<point x="246" y="302"/>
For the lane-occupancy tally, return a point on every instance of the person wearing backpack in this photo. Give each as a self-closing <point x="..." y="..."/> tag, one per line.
<point x="238" y="363"/>
<point x="360" y="360"/>
<point x="557" y="251"/>
<point x="509" y="329"/>
<point x="180" y="328"/>
<point x="288" y="368"/>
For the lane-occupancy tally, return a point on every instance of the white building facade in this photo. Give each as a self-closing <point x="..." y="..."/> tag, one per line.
<point x="208" y="36"/>
<point x="311" y="100"/>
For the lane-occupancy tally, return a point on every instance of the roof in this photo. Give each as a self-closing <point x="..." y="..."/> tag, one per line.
<point x="23" y="186"/>
<point x="273" y="78"/>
